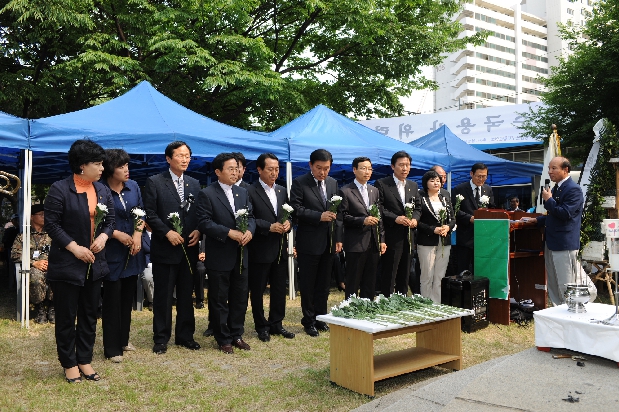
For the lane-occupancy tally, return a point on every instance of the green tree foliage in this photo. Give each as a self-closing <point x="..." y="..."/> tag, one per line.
<point x="584" y="87"/>
<point x="250" y="63"/>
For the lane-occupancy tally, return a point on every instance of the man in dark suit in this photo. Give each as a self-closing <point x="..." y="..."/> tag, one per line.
<point x="318" y="237"/>
<point x="164" y="194"/>
<point x="364" y="237"/>
<point x="268" y="251"/>
<point x="240" y="158"/>
<point x="472" y="191"/>
<point x="395" y="191"/>
<point x="564" y="205"/>
<point x="226" y="252"/>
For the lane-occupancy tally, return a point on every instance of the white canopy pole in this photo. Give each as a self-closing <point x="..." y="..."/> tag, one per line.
<point x="291" y="286"/>
<point x="25" y="256"/>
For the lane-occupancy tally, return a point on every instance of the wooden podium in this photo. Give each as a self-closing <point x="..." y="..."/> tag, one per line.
<point x="526" y="268"/>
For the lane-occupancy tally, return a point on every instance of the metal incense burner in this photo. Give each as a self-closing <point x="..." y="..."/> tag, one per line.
<point x="576" y="296"/>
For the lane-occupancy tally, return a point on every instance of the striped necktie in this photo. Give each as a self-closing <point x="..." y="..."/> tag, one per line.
<point x="180" y="189"/>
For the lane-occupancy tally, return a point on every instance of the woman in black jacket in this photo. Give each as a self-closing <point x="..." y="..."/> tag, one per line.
<point x="434" y="235"/>
<point x="79" y="217"/>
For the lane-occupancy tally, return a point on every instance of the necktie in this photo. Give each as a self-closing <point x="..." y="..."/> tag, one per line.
<point x="364" y="195"/>
<point x="477" y="194"/>
<point x="321" y="186"/>
<point x="180" y="189"/>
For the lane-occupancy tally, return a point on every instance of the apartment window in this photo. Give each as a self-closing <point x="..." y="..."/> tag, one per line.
<point x="570" y="11"/>
<point x="485" y="18"/>
<point x="492" y="96"/>
<point x="495" y="84"/>
<point x="534" y="45"/>
<point x="534" y="68"/>
<point x="532" y="91"/>
<point x="495" y="59"/>
<point x="495" y="71"/>
<point x="532" y="79"/>
<point x="497" y="34"/>
<point x="500" y="48"/>
<point x="535" y="57"/>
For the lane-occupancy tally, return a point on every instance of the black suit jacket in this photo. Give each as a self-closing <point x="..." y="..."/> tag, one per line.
<point x="468" y="206"/>
<point x="305" y="198"/>
<point x="244" y="185"/>
<point x="265" y="246"/>
<point x="161" y="199"/>
<point x="353" y="212"/>
<point x="430" y="220"/>
<point x="67" y="219"/>
<point x="216" y="220"/>
<point x="392" y="207"/>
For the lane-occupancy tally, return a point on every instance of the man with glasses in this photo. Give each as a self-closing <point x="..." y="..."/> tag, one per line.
<point x="473" y="192"/>
<point x="395" y="192"/>
<point x="40" y="293"/>
<point x="174" y="255"/>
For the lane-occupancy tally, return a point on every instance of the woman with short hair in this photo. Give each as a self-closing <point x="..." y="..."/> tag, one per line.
<point x="124" y="255"/>
<point x="79" y="218"/>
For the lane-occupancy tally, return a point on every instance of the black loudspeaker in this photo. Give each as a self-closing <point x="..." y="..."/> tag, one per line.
<point x="467" y="292"/>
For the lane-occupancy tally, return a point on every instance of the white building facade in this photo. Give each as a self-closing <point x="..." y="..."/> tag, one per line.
<point x="523" y="45"/>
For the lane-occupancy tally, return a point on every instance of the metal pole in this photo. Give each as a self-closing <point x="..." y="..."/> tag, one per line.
<point x="25" y="257"/>
<point x="291" y="286"/>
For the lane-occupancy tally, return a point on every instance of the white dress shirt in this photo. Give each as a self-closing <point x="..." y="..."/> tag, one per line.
<point x="228" y="191"/>
<point x="270" y="191"/>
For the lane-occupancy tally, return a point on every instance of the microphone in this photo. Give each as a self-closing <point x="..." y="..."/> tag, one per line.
<point x="547" y="187"/>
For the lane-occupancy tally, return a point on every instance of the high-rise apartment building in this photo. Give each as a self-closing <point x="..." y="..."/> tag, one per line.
<point x="523" y="45"/>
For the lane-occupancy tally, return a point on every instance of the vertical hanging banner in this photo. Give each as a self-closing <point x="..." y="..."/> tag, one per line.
<point x="585" y="176"/>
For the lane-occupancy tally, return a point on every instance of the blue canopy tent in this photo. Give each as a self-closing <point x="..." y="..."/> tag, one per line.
<point x="142" y="122"/>
<point x="462" y="156"/>
<point x="13" y="138"/>
<point x="321" y="127"/>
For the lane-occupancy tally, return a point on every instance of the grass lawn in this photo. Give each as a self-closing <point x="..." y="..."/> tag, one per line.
<point x="281" y="375"/>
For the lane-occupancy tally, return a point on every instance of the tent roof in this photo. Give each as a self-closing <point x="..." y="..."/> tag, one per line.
<point x="462" y="156"/>
<point x="321" y="127"/>
<point x="144" y="121"/>
<point x="13" y="137"/>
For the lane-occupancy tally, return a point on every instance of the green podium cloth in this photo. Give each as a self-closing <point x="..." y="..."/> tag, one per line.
<point x="492" y="254"/>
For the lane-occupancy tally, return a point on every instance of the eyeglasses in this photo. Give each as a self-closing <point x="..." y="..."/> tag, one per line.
<point x="365" y="169"/>
<point x="181" y="157"/>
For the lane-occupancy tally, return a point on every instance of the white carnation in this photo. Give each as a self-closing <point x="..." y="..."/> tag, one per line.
<point x="240" y="212"/>
<point x="174" y="215"/>
<point x="460" y="197"/>
<point x="287" y="208"/>
<point x="137" y="212"/>
<point x="102" y="207"/>
<point x="409" y="206"/>
<point x="484" y="199"/>
<point x="336" y="198"/>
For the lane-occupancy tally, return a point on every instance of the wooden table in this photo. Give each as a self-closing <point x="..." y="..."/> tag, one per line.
<point x="354" y="365"/>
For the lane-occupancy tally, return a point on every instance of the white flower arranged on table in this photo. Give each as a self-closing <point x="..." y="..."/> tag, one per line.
<point x="100" y="214"/>
<point x="484" y="200"/>
<point x="241" y="217"/>
<point x="285" y="216"/>
<point x="335" y="203"/>
<point x="175" y="219"/>
<point x="408" y="211"/>
<point x="396" y="309"/>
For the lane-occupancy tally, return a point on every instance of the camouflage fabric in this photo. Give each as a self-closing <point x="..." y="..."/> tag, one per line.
<point x="41" y="242"/>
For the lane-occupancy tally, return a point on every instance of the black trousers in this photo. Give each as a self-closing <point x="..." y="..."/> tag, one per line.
<point x="314" y="279"/>
<point x="117" y="304"/>
<point x="165" y="278"/>
<point x="361" y="272"/>
<point x="198" y="281"/>
<point x="275" y="274"/>
<point x="464" y="258"/>
<point x="396" y="264"/>
<point x="75" y="341"/>
<point x="227" y="303"/>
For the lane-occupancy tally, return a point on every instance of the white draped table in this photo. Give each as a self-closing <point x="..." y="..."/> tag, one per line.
<point x="354" y="366"/>
<point x="558" y="328"/>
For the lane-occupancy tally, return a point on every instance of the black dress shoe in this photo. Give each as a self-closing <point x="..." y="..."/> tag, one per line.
<point x="311" y="330"/>
<point x="189" y="344"/>
<point x="227" y="349"/>
<point x="283" y="332"/>
<point x="160" y="348"/>
<point x="264" y="336"/>
<point x="321" y="326"/>
<point x="208" y="332"/>
<point x="241" y="344"/>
